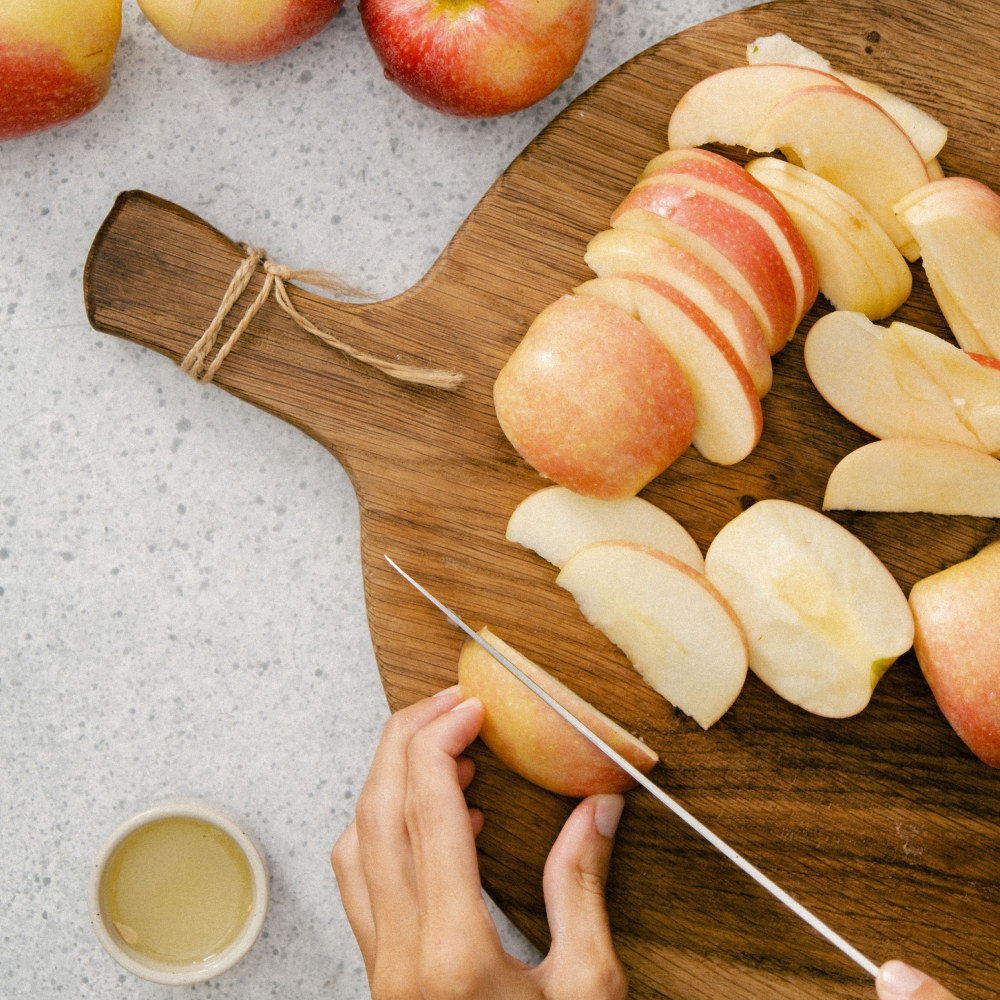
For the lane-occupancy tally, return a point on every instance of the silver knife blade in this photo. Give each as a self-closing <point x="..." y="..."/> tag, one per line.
<point x="675" y="807"/>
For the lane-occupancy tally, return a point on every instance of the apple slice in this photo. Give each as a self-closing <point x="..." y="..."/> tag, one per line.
<point x="624" y="251"/>
<point x="728" y="418"/>
<point x="859" y="267"/>
<point x="823" y="616"/>
<point x="556" y="523"/>
<point x="532" y="739"/>
<point x="957" y="643"/>
<point x="591" y="399"/>
<point x="956" y="222"/>
<point x="903" y="382"/>
<point x="723" y="107"/>
<point x="916" y="474"/>
<point x="850" y="141"/>
<point x="671" y="623"/>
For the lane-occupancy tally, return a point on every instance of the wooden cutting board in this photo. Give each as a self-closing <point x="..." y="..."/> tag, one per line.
<point x="884" y="824"/>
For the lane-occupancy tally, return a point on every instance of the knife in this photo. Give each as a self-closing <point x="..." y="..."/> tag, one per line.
<point x="675" y="807"/>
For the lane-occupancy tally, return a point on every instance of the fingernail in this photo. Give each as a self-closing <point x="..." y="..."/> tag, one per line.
<point x="899" y="981"/>
<point x="468" y="703"/>
<point x="607" y="813"/>
<point x="454" y="689"/>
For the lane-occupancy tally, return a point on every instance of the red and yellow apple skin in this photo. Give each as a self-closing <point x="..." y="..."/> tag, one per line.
<point x="957" y="643"/>
<point x="593" y="400"/>
<point x="238" y="31"/>
<point x="532" y="739"/>
<point x="55" y="61"/>
<point x="478" y="58"/>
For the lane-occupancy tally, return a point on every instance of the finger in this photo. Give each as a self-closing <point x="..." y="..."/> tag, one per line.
<point x="346" y="861"/>
<point x="466" y="771"/>
<point x="582" y="962"/>
<point x="476" y="820"/>
<point x="898" y="981"/>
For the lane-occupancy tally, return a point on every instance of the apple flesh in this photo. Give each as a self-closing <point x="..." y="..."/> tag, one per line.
<point x="668" y="619"/>
<point x="859" y="268"/>
<point x="823" y="617"/>
<point x="478" y="58"/>
<point x="957" y="643"/>
<point x="238" y="31"/>
<point x="532" y="739"/>
<point x="903" y="382"/>
<point x="55" y="61"/>
<point x="593" y="400"/>
<point x="916" y="474"/>
<point x="556" y="523"/>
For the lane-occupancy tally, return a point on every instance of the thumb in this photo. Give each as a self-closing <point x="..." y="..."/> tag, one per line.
<point x="898" y="981"/>
<point x="582" y="962"/>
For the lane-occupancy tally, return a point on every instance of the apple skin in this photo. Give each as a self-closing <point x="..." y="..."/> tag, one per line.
<point x="55" y="61"/>
<point x="238" y="31"/>
<point x="478" y="58"/>
<point x="957" y="643"/>
<point x="532" y="739"/>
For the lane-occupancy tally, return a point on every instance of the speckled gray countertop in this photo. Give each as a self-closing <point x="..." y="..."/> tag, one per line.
<point x="181" y="610"/>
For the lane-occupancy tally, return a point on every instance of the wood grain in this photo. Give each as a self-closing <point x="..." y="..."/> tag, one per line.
<point x="884" y="824"/>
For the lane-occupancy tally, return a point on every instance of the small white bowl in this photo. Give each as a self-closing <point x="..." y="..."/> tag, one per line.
<point x="198" y="972"/>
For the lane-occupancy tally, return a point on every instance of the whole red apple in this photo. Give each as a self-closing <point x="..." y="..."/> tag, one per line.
<point x="55" y="61"/>
<point x="478" y="58"/>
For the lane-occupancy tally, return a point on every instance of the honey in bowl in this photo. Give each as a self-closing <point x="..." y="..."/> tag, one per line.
<point x="178" y="891"/>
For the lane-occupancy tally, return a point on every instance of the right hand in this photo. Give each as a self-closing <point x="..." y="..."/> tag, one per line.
<point x="898" y="981"/>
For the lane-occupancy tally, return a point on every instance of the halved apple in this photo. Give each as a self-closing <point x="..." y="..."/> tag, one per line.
<point x="823" y="617"/>
<point x="903" y="382"/>
<point x="556" y="523"/>
<point x="728" y="418"/>
<point x="671" y="623"/>
<point x="859" y="267"/>
<point x="532" y="739"/>
<point x="916" y="474"/>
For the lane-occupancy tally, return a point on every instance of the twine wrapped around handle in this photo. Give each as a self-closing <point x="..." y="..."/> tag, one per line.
<point x="275" y="276"/>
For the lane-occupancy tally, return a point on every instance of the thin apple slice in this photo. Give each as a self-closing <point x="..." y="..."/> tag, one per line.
<point x="956" y="222"/>
<point x="728" y="418"/>
<point x="824" y="618"/>
<point x="859" y="267"/>
<point x="532" y="739"/>
<point x="624" y="251"/>
<point x="903" y="382"/>
<point x="723" y="107"/>
<point x="671" y="623"/>
<point x="556" y="523"/>
<point x="912" y="475"/>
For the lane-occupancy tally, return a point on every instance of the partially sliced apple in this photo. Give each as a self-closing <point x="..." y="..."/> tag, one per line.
<point x="903" y="382"/>
<point x="916" y="475"/>
<point x="728" y="418"/>
<point x="624" y="251"/>
<point x="850" y="141"/>
<point x="532" y="739"/>
<point x="823" y="617"/>
<point x="556" y="523"/>
<point x="956" y="222"/>
<point x="671" y="623"/>
<point x="859" y="267"/>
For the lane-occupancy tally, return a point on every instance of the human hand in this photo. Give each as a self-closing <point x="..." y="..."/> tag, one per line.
<point x="409" y="878"/>
<point x="898" y="981"/>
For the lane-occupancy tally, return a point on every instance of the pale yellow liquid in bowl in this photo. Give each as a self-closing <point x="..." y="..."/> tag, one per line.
<point x="178" y="891"/>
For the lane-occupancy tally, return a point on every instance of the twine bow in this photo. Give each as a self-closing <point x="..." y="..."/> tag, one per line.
<point x="275" y="276"/>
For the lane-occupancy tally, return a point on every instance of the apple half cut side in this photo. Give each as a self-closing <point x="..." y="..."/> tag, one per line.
<point x="593" y="400"/>
<point x="903" y="382"/>
<point x="911" y="475"/>
<point x="957" y="643"/>
<point x="956" y="222"/>
<point x="728" y="417"/>
<point x="823" y="617"/>
<point x="556" y="523"/>
<point x="532" y="739"/>
<point x="623" y="251"/>
<point x="859" y="267"/>
<point x="672" y="624"/>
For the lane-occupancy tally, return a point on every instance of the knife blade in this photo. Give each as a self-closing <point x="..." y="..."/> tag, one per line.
<point x="675" y="807"/>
